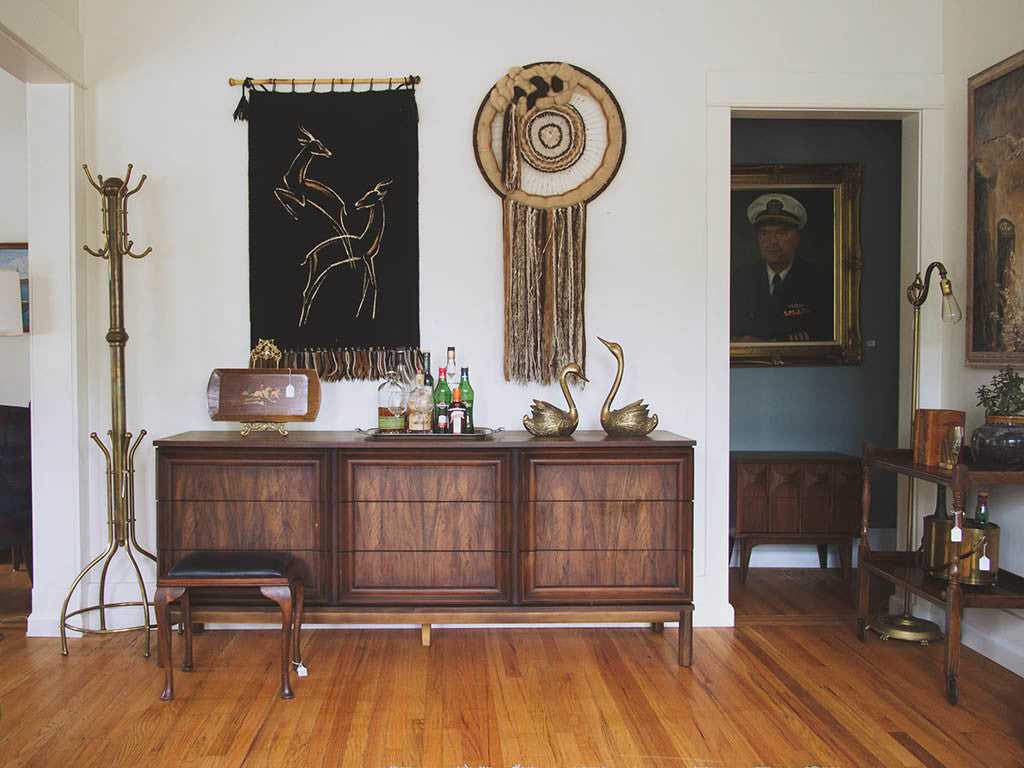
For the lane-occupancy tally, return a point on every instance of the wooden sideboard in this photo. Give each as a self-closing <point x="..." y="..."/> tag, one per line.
<point x="795" y="497"/>
<point x="431" y="530"/>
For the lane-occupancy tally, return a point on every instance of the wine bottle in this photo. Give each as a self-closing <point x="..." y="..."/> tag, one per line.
<point x="442" y="398"/>
<point x="457" y="414"/>
<point x="453" y="372"/>
<point x="428" y="377"/>
<point x="467" y="399"/>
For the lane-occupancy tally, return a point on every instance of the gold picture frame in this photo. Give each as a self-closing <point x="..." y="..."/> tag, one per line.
<point x="995" y="208"/>
<point x="827" y="261"/>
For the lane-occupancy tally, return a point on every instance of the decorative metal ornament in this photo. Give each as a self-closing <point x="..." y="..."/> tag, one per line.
<point x="551" y="421"/>
<point x="629" y="420"/>
<point x="548" y="138"/>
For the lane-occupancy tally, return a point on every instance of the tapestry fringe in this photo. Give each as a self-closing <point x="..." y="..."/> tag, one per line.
<point x="347" y="363"/>
<point x="544" y="291"/>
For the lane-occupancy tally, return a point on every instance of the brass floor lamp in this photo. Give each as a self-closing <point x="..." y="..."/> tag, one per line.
<point x="906" y="626"/>
<point x="120" y="459"/>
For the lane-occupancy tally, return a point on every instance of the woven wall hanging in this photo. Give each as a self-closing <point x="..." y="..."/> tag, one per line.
<point x="333" y="226"/>
<point x="548" y="138"/>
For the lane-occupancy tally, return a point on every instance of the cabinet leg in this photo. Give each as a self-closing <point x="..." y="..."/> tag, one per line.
<point x="845" y="559"/>
<point x="425" y="635"/>
<point x="745" y="548"/>
<point x="686" y="637"/>
<point x="823" y="555"/>
<point x="657" y="626"/>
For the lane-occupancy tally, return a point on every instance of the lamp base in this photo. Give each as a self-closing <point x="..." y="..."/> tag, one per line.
<point x="906" y="627"/>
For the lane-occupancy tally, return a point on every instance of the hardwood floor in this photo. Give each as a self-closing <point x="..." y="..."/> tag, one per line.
<point x="761" y="694"/>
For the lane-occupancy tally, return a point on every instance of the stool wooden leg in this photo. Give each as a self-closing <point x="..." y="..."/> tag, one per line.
<point x="186" y="618"/>
<point x="300" y="601"/>
<point x="164" y="596"/>
<point x="283" y="597"/>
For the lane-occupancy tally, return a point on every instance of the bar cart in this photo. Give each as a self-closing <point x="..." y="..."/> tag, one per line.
<point x="903" y="568"/>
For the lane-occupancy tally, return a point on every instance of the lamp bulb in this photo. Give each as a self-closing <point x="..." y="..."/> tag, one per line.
<point x="950" y="309"/>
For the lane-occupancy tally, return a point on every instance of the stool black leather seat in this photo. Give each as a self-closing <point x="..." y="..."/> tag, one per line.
<point x="274" y="573"/>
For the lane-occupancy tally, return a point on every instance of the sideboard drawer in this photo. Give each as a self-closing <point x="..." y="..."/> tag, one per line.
<point x="591" y="576"/>
<point x="245" y="524"/>
<point x="428" y="525"/>
<point x="255" y="475"/>
<point x="609" y="478"/>
<point x="614" y="525"/>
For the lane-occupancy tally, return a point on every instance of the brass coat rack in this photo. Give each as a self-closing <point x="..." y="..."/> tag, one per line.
<point x="120" y="458"/>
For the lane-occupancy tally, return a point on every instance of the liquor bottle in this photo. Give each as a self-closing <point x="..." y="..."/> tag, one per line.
<point x="940" y="503"/>
<point x="453" y="372"/>
<point x="404" y="372"/>
<point x="421" y="406"/>
<point x="428" y="377"/>
<point x="981" y="511"/>
<point x="442" y="398"/>
<point x="457" y="414"/>
<point x="392" y="401"/>
<point x="467" y="398"/>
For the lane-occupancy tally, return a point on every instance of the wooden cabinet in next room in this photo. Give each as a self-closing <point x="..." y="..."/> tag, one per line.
<point x="796" y="497"/>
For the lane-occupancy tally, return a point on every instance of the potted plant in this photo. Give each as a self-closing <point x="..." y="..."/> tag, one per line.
<point x="999" y="442"/>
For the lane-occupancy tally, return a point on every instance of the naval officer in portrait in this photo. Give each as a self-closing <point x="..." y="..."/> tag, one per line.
<point x="781" y="297"/>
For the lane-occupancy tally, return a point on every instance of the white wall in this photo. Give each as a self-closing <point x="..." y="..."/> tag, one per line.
<point x="14" y="378"/>
<point x="158" y="97"/>
<point x="977" y="35"/>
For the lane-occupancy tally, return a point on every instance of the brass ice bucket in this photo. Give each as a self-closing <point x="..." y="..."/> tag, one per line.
<point x="938" y="551"/>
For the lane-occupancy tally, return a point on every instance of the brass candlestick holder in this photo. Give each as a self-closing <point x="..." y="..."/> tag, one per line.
<point x="120" y="458"/>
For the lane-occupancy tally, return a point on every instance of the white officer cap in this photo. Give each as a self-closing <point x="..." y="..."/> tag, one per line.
<point x="777" y="208"/>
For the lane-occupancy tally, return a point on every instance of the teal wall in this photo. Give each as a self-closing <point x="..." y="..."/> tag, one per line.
<point x="834" y="408"/>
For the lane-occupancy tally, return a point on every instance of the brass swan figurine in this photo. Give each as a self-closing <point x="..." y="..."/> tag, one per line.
<point x="551" y="421"/>
<point x="630" y="419"/>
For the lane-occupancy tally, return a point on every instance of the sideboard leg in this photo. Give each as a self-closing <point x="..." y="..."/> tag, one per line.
<point x="425" y="635"/>
<point x="686" y="637"/>
<point x="657" y="626"/>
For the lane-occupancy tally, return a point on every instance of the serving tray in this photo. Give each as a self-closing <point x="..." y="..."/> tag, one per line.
<point x="480" y="433"/>
<point x="263" y="394"/>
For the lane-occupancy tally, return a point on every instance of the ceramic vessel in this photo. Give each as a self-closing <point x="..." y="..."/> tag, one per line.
<point x="999" y="443"/>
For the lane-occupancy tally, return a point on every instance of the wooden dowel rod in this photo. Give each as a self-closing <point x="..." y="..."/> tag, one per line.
<point x="321" y="81"/>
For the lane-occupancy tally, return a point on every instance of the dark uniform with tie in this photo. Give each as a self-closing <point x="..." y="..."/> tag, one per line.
<point x="780" y="297"/>
<point x="798" y="308"/>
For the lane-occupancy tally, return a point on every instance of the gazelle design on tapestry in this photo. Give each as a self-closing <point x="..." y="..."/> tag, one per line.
<point x="364" y="247"/>
<point x="300" y="189"/>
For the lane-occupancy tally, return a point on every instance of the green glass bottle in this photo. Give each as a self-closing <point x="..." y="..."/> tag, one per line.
<point x="442" y="398"/>
<point x="981" y="512"/>
<point x="467" y="399"/>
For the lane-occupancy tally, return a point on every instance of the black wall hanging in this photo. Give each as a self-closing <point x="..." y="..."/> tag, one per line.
<point x="333" y="226"/>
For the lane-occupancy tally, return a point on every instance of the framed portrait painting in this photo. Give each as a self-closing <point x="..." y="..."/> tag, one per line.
<point x="795" y="265"/>
<point x="995" y="208"/>
<point x="14" y="256"/>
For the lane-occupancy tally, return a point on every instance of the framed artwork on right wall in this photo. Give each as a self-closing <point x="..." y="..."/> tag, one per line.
<point x="995" y="211"/>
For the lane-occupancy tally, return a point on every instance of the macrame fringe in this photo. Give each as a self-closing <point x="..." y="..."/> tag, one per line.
<point x="544" y="289"/>
<point x="511" y="173"/>
<point x="347" y="363"/>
